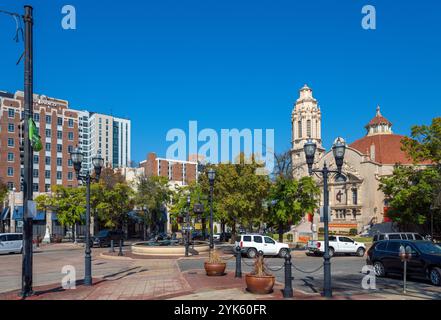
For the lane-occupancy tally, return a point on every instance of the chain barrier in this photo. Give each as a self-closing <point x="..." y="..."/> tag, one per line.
<point x="276" y="269"/>
<point x="307" y="272"/>
<point x="226" y="259"/>
<point x="249" y="265"/>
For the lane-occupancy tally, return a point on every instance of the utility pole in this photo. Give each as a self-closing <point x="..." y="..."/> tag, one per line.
<point x="26" y="286"/>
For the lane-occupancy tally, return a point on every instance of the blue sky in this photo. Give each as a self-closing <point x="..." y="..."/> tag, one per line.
<point x="234" y="63"/>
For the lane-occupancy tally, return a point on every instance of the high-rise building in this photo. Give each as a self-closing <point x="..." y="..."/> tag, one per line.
<point x="61" y="129"/>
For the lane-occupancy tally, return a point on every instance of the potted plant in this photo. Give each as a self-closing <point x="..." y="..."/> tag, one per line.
<point x="214" y="266"/>
<point x="260" y="281"/>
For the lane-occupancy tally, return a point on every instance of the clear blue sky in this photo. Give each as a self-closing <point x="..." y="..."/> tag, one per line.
<point x="234" y="63"/>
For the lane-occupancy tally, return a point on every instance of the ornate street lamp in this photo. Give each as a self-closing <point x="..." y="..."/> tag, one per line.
<point x="77" y="158"/>
<point x="211" y="174"/>
<point x="338" y="149"/>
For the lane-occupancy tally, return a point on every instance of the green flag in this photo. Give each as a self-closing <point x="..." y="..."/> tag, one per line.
<point x="34" y="137"/>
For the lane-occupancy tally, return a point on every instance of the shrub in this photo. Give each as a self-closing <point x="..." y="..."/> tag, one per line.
<point x="353" y="232"/>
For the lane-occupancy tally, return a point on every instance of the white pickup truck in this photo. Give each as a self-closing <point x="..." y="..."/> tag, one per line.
<point x="337" y="244"/>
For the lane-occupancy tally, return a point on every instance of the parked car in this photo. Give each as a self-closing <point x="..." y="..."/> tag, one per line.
<point x="425" y="261"/>
<point x="197" y="235"/>
<point x="223" y="236"/>
<point x="11" y="242"/>
<point x="397" y="236"/>
<point x="251" y="244"/>
<point x="337" y="244"/>
<point x="104" y="238"/>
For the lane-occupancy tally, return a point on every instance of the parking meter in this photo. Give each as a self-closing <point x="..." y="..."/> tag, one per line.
<point x="405" y="255"/>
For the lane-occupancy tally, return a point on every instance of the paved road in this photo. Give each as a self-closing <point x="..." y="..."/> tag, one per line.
<point x="346" y="272"/>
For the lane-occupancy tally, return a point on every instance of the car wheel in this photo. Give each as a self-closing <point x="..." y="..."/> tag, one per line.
<point x="251" y="253"/>
<point x="435" y="276"/>
<point x="331" y="252"/>
<point x="361" y="252"/>
<point x="283" y="253"/>
<point x="379" y="269"/>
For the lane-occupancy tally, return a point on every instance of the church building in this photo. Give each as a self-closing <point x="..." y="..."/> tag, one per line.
<point x="355" y="201"/>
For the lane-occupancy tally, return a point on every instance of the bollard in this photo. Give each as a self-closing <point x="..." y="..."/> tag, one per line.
<point x="238" y="262"/>
<point x="120" y="253"/>
<point x="287" y="291"/>
<point x="112" y="246"/>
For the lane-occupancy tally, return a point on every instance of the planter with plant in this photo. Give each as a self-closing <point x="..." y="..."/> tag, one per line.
<point x="260" y="281"/>
<point x="214" y="266"/>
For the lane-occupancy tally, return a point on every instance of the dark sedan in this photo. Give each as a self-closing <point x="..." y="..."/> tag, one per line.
<point x="425" y="261"/>
<point x="104" y="238"/>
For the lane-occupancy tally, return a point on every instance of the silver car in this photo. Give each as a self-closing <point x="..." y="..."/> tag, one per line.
<point x="11" y="243"/>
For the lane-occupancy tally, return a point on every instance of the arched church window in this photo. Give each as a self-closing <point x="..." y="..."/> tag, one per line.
<point x="308" y="128"/>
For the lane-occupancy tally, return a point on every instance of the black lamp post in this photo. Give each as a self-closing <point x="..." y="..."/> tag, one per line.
<point x="338" y="149"/>
<point x="211" y="176"/>
<point x="144" y="229"/>
<point x="98" y="162"/>
<point x="187" y="227"/>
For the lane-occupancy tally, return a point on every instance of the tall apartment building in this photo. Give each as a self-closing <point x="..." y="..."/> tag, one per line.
<point x="61" y="130"/>
<point x="176" y="171"/>
<point x="58" y="126"/>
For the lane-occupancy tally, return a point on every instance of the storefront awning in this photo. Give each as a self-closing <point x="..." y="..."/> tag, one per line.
<point x="18" y="214"/>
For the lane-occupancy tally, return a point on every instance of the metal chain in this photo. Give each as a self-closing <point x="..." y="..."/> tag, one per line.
<point x="226" y="259"/>
<point x="249" y="265"/>
<point x="308" y="272"/>
<point x="276" y="269"/>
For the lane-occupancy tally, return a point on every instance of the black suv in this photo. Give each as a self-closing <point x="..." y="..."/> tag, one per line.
<point x="425" y="261"/>
<point x="104" y="238"/>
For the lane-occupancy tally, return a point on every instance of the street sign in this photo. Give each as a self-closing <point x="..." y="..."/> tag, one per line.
<point x="329" y="214"/>
<point x="19" y="224"/>
<point x="32" y="209"/>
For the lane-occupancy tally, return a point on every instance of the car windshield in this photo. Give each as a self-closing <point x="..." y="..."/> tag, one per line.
<point x="428" y="247"/>
<point x="102" y="233"/>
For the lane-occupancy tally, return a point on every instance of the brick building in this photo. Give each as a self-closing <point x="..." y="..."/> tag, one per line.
<point x="176" y="171"/>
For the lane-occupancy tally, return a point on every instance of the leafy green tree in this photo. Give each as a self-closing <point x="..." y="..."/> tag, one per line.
<point x="410" y="194"/>
<point x="290" y="200"/>
<point x="3" y="192"/>
<point x="115" y="205"/>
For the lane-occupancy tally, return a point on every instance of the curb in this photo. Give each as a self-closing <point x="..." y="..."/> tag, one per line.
<point x="104" y="256"/>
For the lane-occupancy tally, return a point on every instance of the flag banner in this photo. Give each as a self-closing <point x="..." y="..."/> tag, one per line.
<point x="34" y="137"/>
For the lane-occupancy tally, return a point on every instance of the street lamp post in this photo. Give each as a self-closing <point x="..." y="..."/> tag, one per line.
<point x="145" y="224"/>
<point x="338" y="149"/>
<point x="98" y="162"/>
<point x="211" y="176"/>
<point x="187" y="242"/>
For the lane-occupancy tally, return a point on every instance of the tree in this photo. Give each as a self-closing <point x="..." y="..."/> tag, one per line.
<point x="425" y="142"/>
<point x="3" y="192"/>
<point x="290" y="200"/>
<point x="283" y="165"/>
<point x="115" y="205"/>
<point x="152" y="194"/>
<point x="410" y="193"/>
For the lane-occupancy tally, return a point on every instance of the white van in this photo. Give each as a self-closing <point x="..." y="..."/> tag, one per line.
<point x="11" y="242"/>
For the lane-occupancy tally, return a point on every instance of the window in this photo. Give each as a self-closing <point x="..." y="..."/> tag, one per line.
<point x="308" y="128"/>
<point x="35" y="173"/>
<point x="48" y="133"/>
<point x="15" y="237"/>
<point x="418" y="237"/>
<point x="48" y="161"/>
<point x="299" y="125"/>
<point x="11" y="113"/>
<point x="59" y="135"/>
<point x="47" y="174"/>
<point x="247" y="238"/>
<point x="10" y="142"/>
<point x="11" y="127"/>
<point x="70" y="149"/>
<point x="48" y="147"/>
<point x="59" y="162"/>
<point x="269" y="240"/>
<point x="70" y="123"/>
<point x="48" y="119"/>
<point x="36" y="159"/>
<point x="382" y="246"/>
<point x="332" y="238"/>
<point x="69" y="176"/>
<point x="10" y="171"/>
<point x="257" y="239"/>
<point x="10" y="186"/>
<point x="59" y="121"/>
<point x="36" y="117"/>
<point x="394" y="237"/>
<point x="35" y="187"/>
<point x="10" y="157"/>
<point x="59" y="175"/>
<point x="354" y="196"/>
<point x="47" y="187"/>
<point x="344" y="239"/>
<point x="59" y="148"/>
<point x="393" y="247"/>
<point x="70" y="136"/>
<point x="69" y="163"/>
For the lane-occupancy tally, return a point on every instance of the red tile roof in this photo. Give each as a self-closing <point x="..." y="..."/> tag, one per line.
<point x="387" y="148"/>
